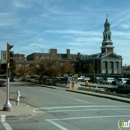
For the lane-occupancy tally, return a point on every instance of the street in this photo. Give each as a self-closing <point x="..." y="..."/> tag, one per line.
<point x="57" y="109"/>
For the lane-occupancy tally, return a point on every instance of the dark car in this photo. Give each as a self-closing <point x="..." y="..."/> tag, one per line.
<point x="92" y="80"/>
<point x="128" y="82"/>
<point x="2" y="83"/>
<point x="95" y="80"/>
<point x="12" y="79"/>
<point x="120" y="88"/>
<point x="102" y="81"/>
<point x="63" y="80"/>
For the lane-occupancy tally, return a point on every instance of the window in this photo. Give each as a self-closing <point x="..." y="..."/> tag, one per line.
<point x="20" y="65"/>
<point x="20" y="57"/>
<point x="110" y="64"/>
<point x="4" y="57"/>
<point x="104" y="64"/>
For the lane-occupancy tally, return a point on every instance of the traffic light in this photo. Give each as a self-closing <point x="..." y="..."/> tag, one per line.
<point x="9" y="54"/>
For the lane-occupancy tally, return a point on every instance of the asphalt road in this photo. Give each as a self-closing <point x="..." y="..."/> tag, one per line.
<point x="57" y="109"/>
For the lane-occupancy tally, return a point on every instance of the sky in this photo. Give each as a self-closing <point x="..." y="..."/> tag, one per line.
<point x="77" y="25"/>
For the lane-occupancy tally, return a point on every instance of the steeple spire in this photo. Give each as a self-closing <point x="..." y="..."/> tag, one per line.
<point x="107" y="44"/>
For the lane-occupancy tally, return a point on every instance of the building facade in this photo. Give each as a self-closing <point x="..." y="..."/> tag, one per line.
<point x="20" y="61"/>
<point x="106" y="62"/>
<point x="53" y="54"/>
<point x="3" y="62"/>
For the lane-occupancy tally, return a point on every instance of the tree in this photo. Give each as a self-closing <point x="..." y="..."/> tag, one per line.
<point x="50" y="68"/>
<point x="67" y="68"/>
<point x="32" y="70"/>
<point x="89" y="68"/>
<point x="128" y="67"/>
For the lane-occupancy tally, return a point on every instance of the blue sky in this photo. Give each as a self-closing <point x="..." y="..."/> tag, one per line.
<point x="64" y="24"/>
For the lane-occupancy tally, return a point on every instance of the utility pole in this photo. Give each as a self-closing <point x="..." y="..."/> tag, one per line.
<point x="8" y="106"/>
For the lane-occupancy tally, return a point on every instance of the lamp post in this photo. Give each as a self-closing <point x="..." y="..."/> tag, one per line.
<point x="40" y="48"/>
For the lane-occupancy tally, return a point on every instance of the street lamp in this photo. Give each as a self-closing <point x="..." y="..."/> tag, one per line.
<point x="40" y="48"/>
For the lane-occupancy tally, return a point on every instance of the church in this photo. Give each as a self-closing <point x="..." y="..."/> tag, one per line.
<point x="106" y="62"/>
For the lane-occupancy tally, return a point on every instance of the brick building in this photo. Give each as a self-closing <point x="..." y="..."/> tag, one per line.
<point x="21" y="61"/>
<point x="53" y="54"/>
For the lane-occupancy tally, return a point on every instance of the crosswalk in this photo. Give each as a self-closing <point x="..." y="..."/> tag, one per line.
<point x="63" y="114"/>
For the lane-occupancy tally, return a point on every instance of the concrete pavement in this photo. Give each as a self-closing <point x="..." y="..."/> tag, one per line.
<point x="17" y="111"/>
<point x="25" y="111"/>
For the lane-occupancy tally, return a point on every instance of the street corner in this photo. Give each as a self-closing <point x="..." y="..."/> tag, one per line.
<point x="18" y="112"/>
<point x="21" y="115"/>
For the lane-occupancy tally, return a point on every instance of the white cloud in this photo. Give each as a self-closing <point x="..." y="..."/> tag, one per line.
<point x="77" y="25"/>
<point x="75" y="32"/>
<point x="125" y="26"/>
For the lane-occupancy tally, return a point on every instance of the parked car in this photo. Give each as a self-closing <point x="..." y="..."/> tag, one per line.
<point x="63" y="80"/>
<point x="2" y="83"/>
<point x="12" y="79"/>
<point x="121" y="88"/>
<point x="98" y="79"/>
<point x="92" y="80"/>
<point x="85" y="79"/>
<point x="120" y="81"/>
<point x="128" y="82"/>
<point x="107" y="80"/>
<point x="102" y="81"/>
<point x="81" y="78"/>
<point x="95" y="80"/>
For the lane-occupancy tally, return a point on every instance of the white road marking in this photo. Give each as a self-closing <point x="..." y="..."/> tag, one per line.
<point x="52" y="121"/>
<point x="81" y="101"/>
<point x="89" y="110"/>
<point x="56" y="124"/>
<point x="88" y="106"/>
<point x="5" y="124"/>
<point x="90" y="117"/>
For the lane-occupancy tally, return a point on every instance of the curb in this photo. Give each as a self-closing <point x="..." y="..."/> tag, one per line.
<point x="113" y="97"/>
<point x="20" y="117"/>
<point x="102" y="95"/>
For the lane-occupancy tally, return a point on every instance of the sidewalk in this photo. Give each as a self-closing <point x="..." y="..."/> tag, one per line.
<point x="18" y="111"/>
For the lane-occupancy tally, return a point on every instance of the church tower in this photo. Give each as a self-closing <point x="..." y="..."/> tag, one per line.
<point x="107" y="44"/>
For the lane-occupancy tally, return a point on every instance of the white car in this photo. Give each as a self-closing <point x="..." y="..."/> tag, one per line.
<point x="86" y="79"/>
